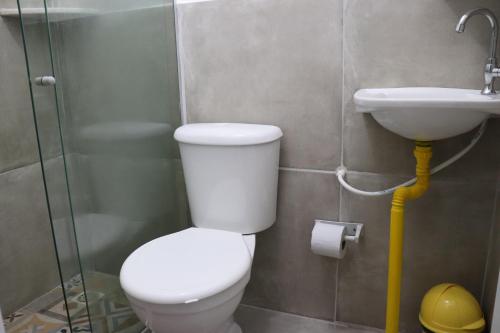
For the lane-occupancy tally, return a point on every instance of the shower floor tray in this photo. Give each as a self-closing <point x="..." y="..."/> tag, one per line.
<point x="48" y="314"/>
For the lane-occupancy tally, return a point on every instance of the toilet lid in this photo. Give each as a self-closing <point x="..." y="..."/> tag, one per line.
<point x="185" y="266"/>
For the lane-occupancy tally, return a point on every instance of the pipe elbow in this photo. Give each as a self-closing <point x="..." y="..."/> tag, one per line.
<point x="423" y="154"/>
<point x="402" y="194"/>
<point x="418" y="190"/>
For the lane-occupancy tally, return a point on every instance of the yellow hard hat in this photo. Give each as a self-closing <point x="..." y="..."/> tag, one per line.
<point x="449" y="308"/>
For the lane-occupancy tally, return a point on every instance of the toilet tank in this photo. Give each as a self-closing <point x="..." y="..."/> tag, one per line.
<point x="231" y="173"/>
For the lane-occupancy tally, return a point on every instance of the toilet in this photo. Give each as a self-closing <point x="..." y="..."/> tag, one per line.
<point x="192" y="281"/>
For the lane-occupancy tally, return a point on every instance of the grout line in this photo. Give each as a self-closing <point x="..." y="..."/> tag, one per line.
<point x="258" y="308"/>
<point x="6" y="171"/>
<point x="27" y="307"/>
<point x="363" y="328"/>
<point x="337" y="270"/>
<point x="339" y="324"/>
<point x="181" y="2"/>
<point x="180" y="61"/>
<point x="325" y="172"/>
<point x="335" y="303"/>
<point x="342" y="106"/>
<point x="452" y="179"/>
<point x="342" y="120"/>
<point x="491" y="242"/>
<point x="37" y="161"/>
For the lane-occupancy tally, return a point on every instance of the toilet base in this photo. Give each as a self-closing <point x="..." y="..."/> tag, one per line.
<point x="231" y="327"/>
<point x="235" y="329"/>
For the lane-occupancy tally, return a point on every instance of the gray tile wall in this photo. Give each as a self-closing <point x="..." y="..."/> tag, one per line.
<point x="276" y="62"/>
<point x="287" y="275"/>
<point x="492" y="272"/>
<point x="296" y="64"/>
<point x="27" y="262"/>
<point x="17" y="144"/>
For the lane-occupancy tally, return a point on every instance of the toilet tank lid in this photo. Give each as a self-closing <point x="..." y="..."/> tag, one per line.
<point x="227" y="134"/>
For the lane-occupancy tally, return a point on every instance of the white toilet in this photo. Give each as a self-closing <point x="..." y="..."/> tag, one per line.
<point x="192" y="281"/>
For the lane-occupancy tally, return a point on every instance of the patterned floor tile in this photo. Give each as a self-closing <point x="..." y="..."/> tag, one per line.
<point x="91" y="297"/>
<point x="37" y="323"/>
<point x="52" y="297"/>
<point x="109" y="308"/>
<point x="79" y="325"/>
<point x="110" y="316"/>
<point x="74" y="282"/>
<point x="15" y="317"/>
<point x="59" y="309"/>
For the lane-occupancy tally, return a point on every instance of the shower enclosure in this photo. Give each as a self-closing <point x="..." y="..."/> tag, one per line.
<point x="105" y="96"/>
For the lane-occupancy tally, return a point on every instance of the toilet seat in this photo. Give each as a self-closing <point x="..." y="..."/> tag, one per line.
<point x="186" y="266"/>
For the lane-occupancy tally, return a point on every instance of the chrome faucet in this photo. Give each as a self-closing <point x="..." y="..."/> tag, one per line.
<point x="491" y="71"/>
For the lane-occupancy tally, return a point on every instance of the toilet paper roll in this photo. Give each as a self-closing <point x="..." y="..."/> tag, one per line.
<point x="328" y="240"/>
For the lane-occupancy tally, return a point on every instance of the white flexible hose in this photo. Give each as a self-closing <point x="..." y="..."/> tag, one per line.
<point x="341" y="171"/>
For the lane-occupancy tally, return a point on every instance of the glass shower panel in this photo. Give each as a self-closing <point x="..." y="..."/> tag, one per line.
<point x="47" y="117"/>
<point x="118" y="100"/>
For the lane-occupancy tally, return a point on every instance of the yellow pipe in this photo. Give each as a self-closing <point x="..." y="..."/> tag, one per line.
<point x="423" y="153"/>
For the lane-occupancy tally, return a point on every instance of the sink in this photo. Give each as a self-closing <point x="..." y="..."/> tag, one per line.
<point x="427" y="114"/>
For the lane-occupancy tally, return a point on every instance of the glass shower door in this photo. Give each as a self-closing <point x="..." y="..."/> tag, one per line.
<point x="47" y="117"/>
<point x="117" y="105"/>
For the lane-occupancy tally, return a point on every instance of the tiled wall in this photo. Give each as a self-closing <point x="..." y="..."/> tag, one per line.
<point x="296" y="64"/>
<point x="492" y="273"/>
<point x="27" y="262"/>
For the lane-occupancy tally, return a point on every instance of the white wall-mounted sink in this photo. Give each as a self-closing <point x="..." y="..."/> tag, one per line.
<point x="427" y="114"/>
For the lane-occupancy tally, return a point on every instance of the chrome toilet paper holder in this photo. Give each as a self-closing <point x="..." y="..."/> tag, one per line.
<point x="353" y="230"/>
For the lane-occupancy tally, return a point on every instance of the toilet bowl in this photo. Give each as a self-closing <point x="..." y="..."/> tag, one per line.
<point x="189" y="281"/>
<point x="192" y="281"/>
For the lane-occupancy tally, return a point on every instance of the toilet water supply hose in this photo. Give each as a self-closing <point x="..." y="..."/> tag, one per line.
<point x="341" y="171"/>
<point x="403" y="193"/>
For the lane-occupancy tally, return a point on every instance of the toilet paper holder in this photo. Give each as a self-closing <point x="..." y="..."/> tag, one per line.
<point x="353" y="230"/>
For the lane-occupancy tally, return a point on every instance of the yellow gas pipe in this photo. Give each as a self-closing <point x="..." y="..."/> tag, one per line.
<point x="423" y="153"/>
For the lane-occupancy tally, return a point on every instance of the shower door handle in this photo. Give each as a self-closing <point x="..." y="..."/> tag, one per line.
<point x="45" y="80"/>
